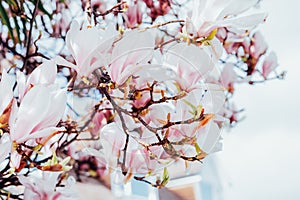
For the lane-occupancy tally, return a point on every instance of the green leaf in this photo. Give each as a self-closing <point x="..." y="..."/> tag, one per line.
<point x="197" y="148"/>
<point x="166" y="177"/>
<point x="191" y="105"/>
<point x="54" y="159"/>
<point x="212" y="34"/>
<point x="5" y="20"/>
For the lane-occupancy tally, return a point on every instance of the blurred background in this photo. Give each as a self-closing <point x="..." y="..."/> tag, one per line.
<point x="261" y="155"/>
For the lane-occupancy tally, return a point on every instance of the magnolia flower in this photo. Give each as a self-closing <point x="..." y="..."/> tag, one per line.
<point x="38" y="114"/>
<point x="208" y="15"/>
<point x="133" y="16"/>
<point x="269" y="64"/>
<point x="138" y="159"/>
<point x="6" y="96"/>
<point x="228" y="77"/>
<point x="101" y="117"/>
<point x="192" y="64"/>
<point x="208" y="101"/>
<point x="129" y="54"/>
<point x="233" y="41"/>
<point x="89" y="46"/>
<point x="44" y="188"/>
<point x="113" y="141"/>
<point x="258" y="46"/>
<point x="96" y="156"/>
<point x="44" y="74"/>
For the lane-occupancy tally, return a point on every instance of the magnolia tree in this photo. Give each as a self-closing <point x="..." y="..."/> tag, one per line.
<point x="91" y="87"/>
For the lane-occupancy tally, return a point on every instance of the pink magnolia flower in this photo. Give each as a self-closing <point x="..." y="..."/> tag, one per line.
<point x="137" y="157"/>
<point x="233" y="42"/>
<point x="38" y="114"/>
<point x="142" y="160"/>
<point x="129" y="54"/>
<point x="134" y="15"/>
<point x="89" y="46"/>
<point x="208" y="15"/>
<point x="187" y="108"/>
<point x="270" y="63"/>
<point x="258" y="46"/>
<point x="157" y="8"/>
<point x="44" y="187"/>
<point x="228" y="77"/>
<point x="101" y="118"/>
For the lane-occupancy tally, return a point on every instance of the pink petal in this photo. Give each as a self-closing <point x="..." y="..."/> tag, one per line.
<point x="270" y="63"/>
<point x="32" y="110"/>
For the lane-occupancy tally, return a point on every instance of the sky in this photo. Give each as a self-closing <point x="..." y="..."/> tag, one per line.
<point x="261" y="156"/>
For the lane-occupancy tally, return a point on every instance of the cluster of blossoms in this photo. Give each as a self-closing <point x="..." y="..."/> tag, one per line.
<point x="132" y="86"/>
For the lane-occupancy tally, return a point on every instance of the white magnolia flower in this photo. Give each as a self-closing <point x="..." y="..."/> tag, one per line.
<point x="208" y="15"/>
<point x="44" y="188"/>
<point x="89" y="46"/>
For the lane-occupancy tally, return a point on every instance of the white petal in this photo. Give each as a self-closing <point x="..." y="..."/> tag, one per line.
<point x="214" y="99"/>
<point x="6" y="93"/>
<point x="32" y="110"/>
<point x="43" y="74"/>
<point x="112" y="139"/>
<point x="5" y="146"/>
<point x="236" y="7"/>
<point x="134" y="48"/>
<point x="44" y="133"/>
<point x="210" y="139"/>
<point x="57" y="107"/>
<point x="243" y="22"/>
<point x="61" y="61"/>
